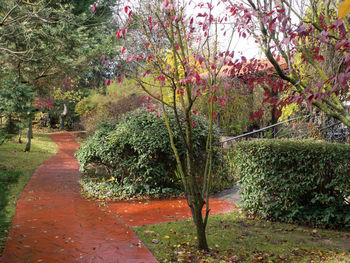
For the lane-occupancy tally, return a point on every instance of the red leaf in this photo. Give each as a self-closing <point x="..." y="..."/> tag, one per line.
<point x="92" y="9"/>
<point x="146" y="73"/>
<point x="200" y="60"/>
<point x="165" y="4"/>
<point x="320" y="58"/>
<point x="272" y="24"/>
<point x="278" y="113"/>
<point x="214" y="98"/>
<point x="202" y="15"/>
<point x="223" y="101"/>
<point x="309" y="99"/>
<point x="124" y="31"/>
<point x="108" y="82"/>
<point x="123" y="50"/>
<point x="180" y="91"/>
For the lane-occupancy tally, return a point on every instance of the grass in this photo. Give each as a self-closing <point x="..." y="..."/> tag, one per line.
<point x="235" y="238"/>
<point x="16" y="168"/>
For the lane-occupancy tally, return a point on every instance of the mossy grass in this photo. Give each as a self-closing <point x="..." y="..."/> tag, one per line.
<point x="233" y="237"/>
<point x="16" y="168"/>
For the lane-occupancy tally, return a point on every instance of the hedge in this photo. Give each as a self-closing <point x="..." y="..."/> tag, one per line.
<point x="295" y="180"/>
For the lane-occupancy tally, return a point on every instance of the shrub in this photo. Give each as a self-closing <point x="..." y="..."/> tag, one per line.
<point x="91" y="113"/>
<point x="295" y="180"/>
<point x="136" y="153"/>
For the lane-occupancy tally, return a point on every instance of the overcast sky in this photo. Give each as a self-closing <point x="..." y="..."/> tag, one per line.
<point x="242" y="46"/>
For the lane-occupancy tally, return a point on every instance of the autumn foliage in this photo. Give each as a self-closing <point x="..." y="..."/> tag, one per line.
<point x="314" y="45"/>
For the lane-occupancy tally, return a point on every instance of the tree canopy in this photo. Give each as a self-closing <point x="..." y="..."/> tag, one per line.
<point x="42" y="43"/>
<point x="314" y="44"/>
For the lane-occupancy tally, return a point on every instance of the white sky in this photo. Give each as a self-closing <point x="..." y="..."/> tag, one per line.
<point x="242" y="46"/>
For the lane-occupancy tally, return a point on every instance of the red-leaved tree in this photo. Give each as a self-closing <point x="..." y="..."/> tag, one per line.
<point x="313" y="44"/>
<point x="167" y="49"/>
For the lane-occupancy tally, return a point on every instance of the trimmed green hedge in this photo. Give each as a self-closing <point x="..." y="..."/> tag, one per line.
<point x="137" y="156"/>
<point x="295" y="180"/>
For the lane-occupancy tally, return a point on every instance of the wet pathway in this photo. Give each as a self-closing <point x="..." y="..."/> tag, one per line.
<point x="138" y="213"/>
<point x="53" y="223"/>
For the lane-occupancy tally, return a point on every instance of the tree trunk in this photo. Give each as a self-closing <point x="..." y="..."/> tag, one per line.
<point x="197" y="216"/>
<point x="63" y="116"/>
<point x="274" y="118"/>
<point x="193" y="194"/>
<point x="29" y="134"/>
<point x="274" y="121"/>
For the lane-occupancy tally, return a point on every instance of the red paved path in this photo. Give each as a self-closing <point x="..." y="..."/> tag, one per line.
<point x="136" y="213"/>
<point x="54" y="224"/>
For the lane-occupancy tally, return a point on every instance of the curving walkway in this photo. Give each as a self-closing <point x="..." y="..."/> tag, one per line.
<point x="53" y="223"/>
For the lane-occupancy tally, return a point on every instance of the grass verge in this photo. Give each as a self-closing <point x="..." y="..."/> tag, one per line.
<point x="235" y="238"/>
<point x="16" y="168"/>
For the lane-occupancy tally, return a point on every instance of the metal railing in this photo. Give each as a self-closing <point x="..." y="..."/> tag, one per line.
<point x="326" y="131"/>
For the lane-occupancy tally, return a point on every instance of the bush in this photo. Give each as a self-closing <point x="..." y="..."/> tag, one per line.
<point x="91" y="112"/>
<point x="136" y="154"/>
<point x="295" y="180"/>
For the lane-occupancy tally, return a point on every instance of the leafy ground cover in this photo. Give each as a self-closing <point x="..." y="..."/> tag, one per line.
<point x="16" y="168"/>
<point x="233" y="237"/>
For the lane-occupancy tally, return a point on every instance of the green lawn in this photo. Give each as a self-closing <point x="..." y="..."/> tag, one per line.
<point x="16" y="168"/>
<point x="235" y="238"/>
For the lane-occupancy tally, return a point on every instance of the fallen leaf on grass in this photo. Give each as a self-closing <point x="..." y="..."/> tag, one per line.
<point x="155" y="241"/>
